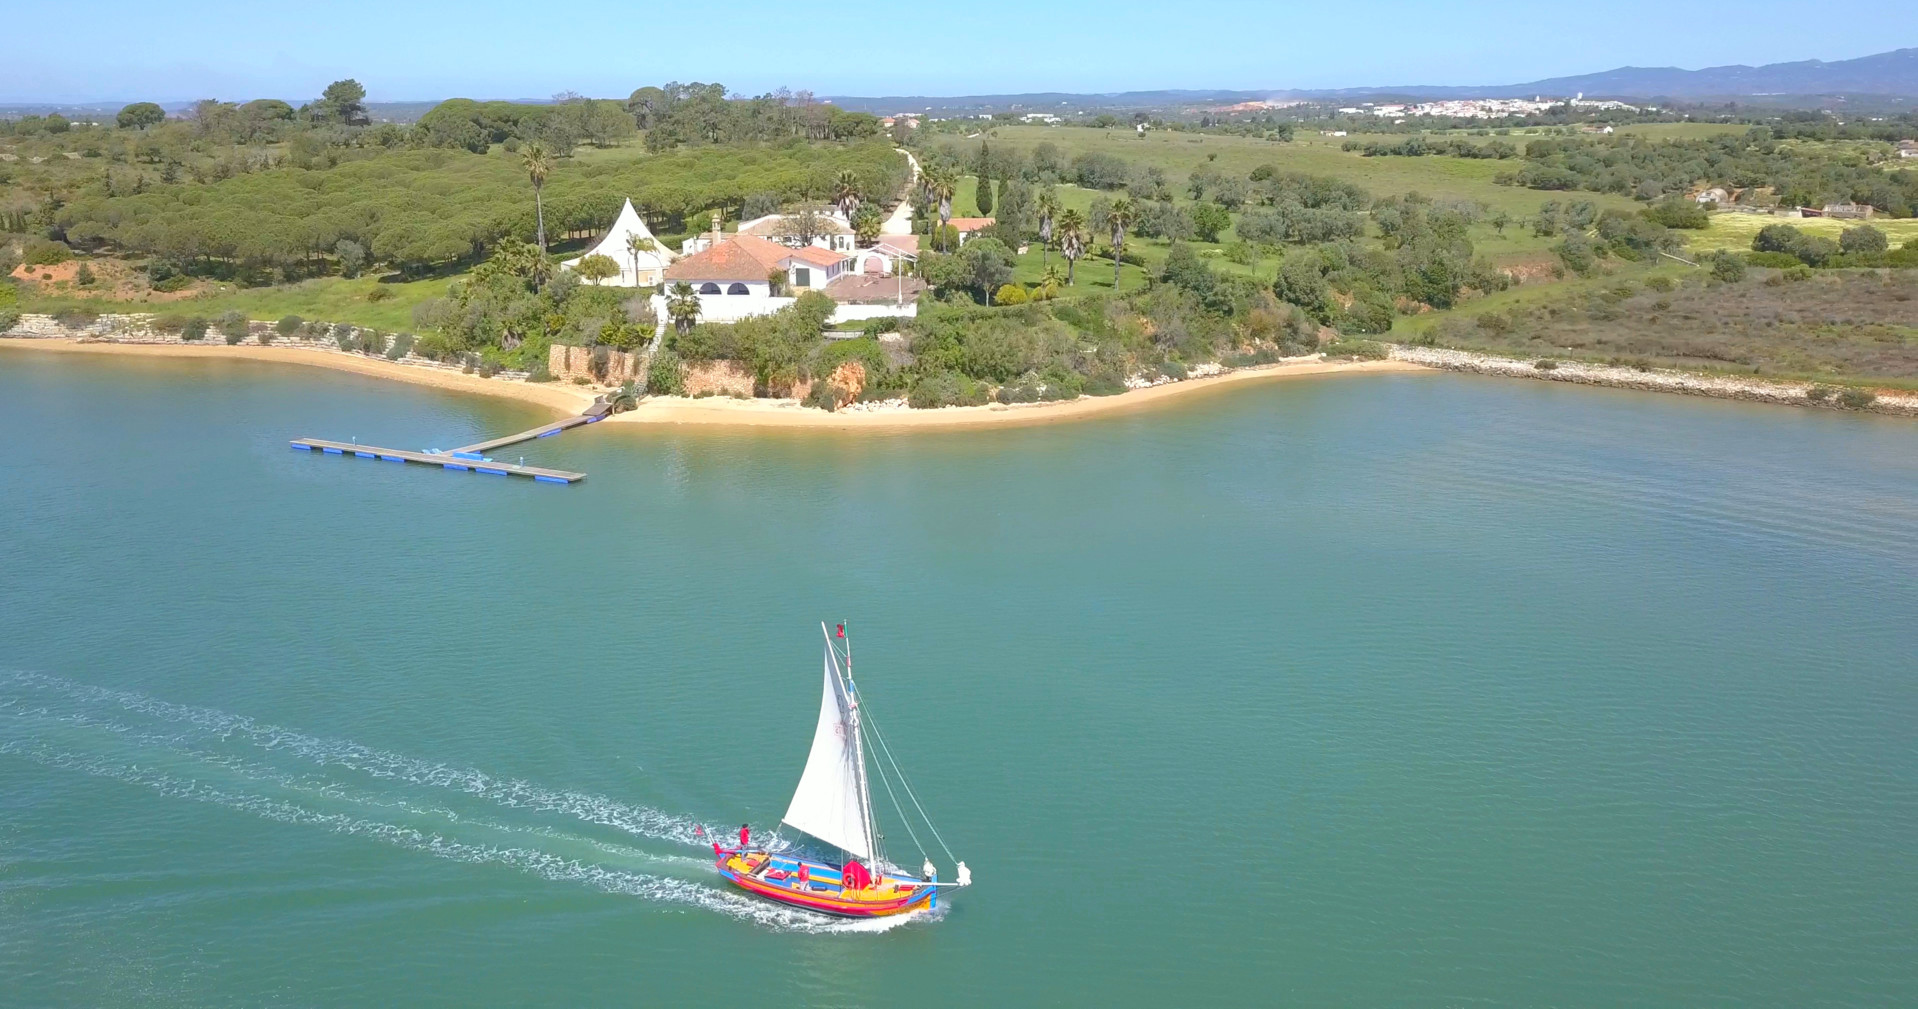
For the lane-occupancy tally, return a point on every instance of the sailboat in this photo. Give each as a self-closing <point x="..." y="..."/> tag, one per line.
<point x="834" y="805"/>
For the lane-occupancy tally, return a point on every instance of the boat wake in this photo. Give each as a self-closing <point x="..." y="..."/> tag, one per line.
<point x="461" y="814"/>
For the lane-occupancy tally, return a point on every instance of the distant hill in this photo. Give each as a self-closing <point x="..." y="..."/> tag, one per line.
<point x="1042" y="101"/>
<point x="1892" y="73"/>
<point x="1886" y="74"/>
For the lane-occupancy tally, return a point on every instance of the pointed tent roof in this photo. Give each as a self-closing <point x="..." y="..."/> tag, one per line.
<point x="613" y="245"/>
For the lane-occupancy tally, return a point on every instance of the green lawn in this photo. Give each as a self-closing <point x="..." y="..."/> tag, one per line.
<point x="1683" y="131"/>
<point x="1735" y="231"/>
<point x="327" y="299"/>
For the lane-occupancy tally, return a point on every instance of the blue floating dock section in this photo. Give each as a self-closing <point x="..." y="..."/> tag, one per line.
<point x="441" y="459"/>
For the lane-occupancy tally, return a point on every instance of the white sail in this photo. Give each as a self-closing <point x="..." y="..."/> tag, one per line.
<point x="830" y="802"/>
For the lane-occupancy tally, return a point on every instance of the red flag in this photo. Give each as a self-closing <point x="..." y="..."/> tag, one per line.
<point x="842" y="630"/>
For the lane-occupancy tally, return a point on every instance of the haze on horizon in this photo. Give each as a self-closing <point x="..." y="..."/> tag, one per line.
<point x="487" y="49"/>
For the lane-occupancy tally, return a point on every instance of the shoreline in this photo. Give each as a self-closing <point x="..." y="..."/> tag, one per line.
<point x="719" y="411"/>
<point x="564" y="400"/>
<point x="713" y="411"/>
<point x="1895" y="403"/>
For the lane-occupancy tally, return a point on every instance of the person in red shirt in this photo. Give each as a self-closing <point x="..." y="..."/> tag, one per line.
<point x="745" y="836"/>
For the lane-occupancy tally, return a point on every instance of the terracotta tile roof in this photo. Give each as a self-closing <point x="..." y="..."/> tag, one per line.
<point x="867" y="289"/>
<point x="813" y="255"/>
<point x="741" y="257"/>
<point x="971" y="223"/>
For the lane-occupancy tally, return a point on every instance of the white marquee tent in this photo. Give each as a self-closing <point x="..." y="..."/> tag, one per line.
<point x="652" y="258"/>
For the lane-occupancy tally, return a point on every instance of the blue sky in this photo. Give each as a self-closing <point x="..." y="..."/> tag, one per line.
<point x="489" y="49"/>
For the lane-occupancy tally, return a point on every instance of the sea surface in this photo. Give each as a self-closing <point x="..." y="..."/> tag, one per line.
<point x="1401" y="690"/>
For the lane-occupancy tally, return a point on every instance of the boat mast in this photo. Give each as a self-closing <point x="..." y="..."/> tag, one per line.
<point x="859" y="757"/>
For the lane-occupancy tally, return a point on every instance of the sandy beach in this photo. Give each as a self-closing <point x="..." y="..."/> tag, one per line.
<point x="561" y="399"/>
<point x="723" y="411"/>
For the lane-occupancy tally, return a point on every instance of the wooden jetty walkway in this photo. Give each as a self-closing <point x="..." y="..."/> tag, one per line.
<point x="598" y="411"/>
<point x="471" y="458"/>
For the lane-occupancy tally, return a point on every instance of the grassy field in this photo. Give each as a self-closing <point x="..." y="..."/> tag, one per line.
<point x="328" y="299"/>
<point x="1735" y="231"/>
<point x="1683" y="131"/>
<point x="1179" y="153"/>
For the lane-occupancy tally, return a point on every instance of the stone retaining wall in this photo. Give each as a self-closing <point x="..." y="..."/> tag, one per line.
<point x="568" y="363"/>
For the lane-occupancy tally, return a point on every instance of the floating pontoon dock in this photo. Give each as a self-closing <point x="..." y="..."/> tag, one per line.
<point x="470" y="458"/>
<point x="474" y="464"/>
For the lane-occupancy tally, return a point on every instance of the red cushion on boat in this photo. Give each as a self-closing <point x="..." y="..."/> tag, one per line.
<point x="775" y="874"/>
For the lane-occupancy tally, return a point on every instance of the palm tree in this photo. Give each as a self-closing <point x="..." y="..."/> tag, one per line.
<point x="538" y="164"/>
<point x="1049" y="283"/>
<point x="1072" y="239"/>
<point x="845" y="193"/>
<point x="1123" y="214"/>
<point x="941" y="183"/>
<point x="1048" y="207"/>
<point x="682" y="306"/>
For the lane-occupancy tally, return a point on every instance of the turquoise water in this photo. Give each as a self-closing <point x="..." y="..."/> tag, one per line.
<point x="1397" y="690"/>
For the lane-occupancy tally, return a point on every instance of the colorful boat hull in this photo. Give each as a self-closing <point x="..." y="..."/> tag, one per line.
<point x="777" y="878"/>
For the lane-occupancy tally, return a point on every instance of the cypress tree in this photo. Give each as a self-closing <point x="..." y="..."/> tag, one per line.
<point x="984" y="196"/>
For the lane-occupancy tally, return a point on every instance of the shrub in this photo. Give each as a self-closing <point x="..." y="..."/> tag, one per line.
<point x="266" y="336"/>
<point x="1772" y="260"/>
<point x="194" y="328"/>
<point x="666" y="376"/>
<point x="1856" y="399"/>
<point x="402" y="345"/>
<point x="372" y="342"/>
<point x="1545" y="364"/>
<point x="1678" y="213"/>
<point x="1820" y="393"/>
<point x="824" y="396"/>
<point x="1010" y="294"/>
<point x="8" y="319"/>
<point x="85" y="276"/>
<point x="176" y="282"/>
<point x="378" y="293"/>
<point x="1777" y="238"/>
<point x="75" y="318"/>
<point x="540" y="373"/>
<point x="233" y="325"/>
<point x="1366" y="350"/>
<point x="883" y="324"/>
<point x="288" y="325"/>
<point x="1727" y="267"/>
<point x="1863" y="238"/>
<point x="944" y="388"/>
<point x="43" y="252"/>
<point x="1661" y="283"/>
<point x="343" y="336"/>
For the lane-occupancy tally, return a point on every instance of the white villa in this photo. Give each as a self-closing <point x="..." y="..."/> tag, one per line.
<point x="646" y="268"/>
<point x="733" y="277"/>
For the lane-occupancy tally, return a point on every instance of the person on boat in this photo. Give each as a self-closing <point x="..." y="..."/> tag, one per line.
<point x="803" y="876"/>
<point x="745" y="836"/>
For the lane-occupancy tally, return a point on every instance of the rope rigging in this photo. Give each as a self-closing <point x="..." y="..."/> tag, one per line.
<point x="886" y="751"/>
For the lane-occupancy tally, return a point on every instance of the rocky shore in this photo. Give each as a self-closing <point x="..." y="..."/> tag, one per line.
<point x="1754" y="390"/>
